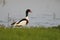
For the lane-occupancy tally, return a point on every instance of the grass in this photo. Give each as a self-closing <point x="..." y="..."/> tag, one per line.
<point x="29" y="34"/>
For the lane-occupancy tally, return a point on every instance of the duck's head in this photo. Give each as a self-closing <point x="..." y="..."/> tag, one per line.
<point x="27" y="11"/>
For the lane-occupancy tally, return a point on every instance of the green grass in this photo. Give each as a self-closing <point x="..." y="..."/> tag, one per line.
<point x="29" y="34"/>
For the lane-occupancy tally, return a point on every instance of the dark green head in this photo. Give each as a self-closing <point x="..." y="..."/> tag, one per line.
<point x="27" y="11"/>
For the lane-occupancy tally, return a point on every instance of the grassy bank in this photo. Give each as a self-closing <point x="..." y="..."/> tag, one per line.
<point x="29" y="34"/>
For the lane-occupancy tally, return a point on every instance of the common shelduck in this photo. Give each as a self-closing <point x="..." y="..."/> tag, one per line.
<point x="23" y="21"/>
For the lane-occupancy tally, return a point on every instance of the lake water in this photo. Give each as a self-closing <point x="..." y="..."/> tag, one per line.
<point x="40" y="21"/>
<point x="45" y="21"/>
<point x="44" y="12"/>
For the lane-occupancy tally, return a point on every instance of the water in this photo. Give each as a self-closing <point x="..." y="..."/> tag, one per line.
<point x="44" y="12"/>
<point x="45" y="21"/>
<point x="38" y="21"/>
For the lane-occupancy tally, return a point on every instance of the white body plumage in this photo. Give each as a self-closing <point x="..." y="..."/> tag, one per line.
<point x="22" y="22"/>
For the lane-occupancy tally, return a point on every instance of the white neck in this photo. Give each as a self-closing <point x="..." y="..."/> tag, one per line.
<point x="27" y="18"/>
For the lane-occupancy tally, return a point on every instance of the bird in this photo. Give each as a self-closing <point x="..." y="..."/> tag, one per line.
<point x="23" y="21"/>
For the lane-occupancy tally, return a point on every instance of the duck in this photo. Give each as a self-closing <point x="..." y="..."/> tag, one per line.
<point x="23" y="21"/>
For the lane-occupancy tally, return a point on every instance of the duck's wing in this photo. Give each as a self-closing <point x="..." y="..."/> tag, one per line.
<point x="23" y="20"/>
<point x="13" y="23"/>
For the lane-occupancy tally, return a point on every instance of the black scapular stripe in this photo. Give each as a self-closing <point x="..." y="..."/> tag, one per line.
<point x="13" y="23"/>
<point x="23" y="20"/>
